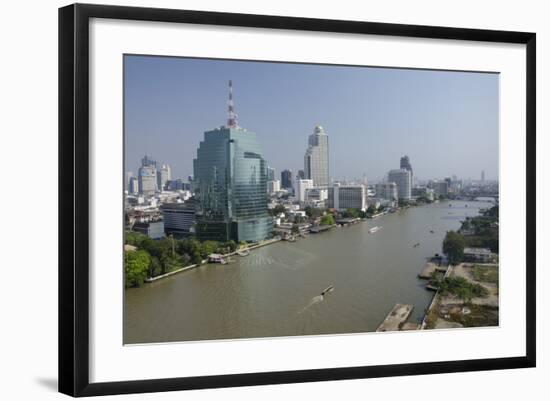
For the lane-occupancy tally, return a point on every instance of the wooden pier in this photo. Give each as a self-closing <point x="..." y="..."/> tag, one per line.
<point x="396" y="318"/>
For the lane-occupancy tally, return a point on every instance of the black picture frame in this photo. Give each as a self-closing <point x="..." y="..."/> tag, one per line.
<point x="74" y="200"/>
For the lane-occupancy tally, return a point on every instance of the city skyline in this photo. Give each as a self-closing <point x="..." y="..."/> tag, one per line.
<point x="179" y="119"/>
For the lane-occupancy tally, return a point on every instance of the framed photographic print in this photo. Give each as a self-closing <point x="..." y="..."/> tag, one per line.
<point x="251" y="199"/>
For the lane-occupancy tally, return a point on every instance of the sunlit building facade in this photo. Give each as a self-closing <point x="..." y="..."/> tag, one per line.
<point x="316" y="158"/>
<point x="230" y="183"/>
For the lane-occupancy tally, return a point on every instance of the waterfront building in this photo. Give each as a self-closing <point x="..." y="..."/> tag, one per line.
<point x="230" y="184"/>
<point x="402" y="179"/>
<point x="316" y="194"/>
<point x="342" y="197"/>
<point x="179" y="218"/>
<point x="273" y="186"/>
<point x="164" y="174"/>
<point x="483" y="255"/>
<point x="147" y="180"/>
<point x="301" y="175"/>
<point x="482" y="175"/>
<point x="405" y="164"/>
<point x="153" y="229"/>
<point x="301" y="187"/>
<point x="316" y="166"/>
<point x="440" y="188"/>
<point x="424" y="192"/>
<point x="286" y="179"/>
<point x="386" y="190"/>
<point x="178" y="185"/>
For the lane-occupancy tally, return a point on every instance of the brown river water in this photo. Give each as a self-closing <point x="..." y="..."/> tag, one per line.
<point x="276" y="290"/>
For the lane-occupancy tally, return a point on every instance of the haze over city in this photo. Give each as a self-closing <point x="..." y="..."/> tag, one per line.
<point x="447" y="122"/>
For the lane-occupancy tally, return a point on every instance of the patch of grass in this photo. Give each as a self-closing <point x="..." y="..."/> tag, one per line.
<point x="432" y="316"/>
<point x="486" y="274"/>
<point x="462" y="288"/>
<point x="479" y="316"/>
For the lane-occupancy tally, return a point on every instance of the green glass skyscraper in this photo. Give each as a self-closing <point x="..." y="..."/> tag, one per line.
<point x="230" y="183"/>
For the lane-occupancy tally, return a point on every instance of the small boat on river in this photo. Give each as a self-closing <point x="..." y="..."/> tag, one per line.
<point x="374" y="229"/>
<point x="244" y="252"/>
<point x="327" y="290"/>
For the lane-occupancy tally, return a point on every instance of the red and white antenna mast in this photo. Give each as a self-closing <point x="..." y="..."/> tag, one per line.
<point x="231" y="115"/>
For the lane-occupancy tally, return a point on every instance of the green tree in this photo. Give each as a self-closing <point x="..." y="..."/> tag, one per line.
<point x="462" y="288"/>
<point x="230" y="246"/>
<point x="155" y="269"/>
<point x="352" y="212"/>
<point x="313" y="212"/>
<point x="208" y="247"/>
<point x="453" y="247"/>
<point x="278" y="209"/>
<point x="327" y="220"/>
<point x="371" y="209"/>
<point x="295" y="229"/>
<point x="136" y="266"/>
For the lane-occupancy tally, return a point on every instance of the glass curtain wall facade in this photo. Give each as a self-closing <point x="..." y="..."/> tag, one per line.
<point x="230" y="183"/>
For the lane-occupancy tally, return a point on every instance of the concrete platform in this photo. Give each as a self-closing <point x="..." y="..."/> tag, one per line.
<point x="396" y="318"/>
<point x="429" y="269"/>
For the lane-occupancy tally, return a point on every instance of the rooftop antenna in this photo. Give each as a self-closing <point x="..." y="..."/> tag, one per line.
<point x="231" y="116"/>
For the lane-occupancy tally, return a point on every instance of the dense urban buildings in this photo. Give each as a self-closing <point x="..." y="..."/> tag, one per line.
<point x="286" y="179"/>
<point x="316" y="158"/>
<point x="230" y="184"/>
<point x="147" y="179"/>
<point x="270" y="174"/>
<point x="440" y="188"/>
<point x="343" y="197"/>
<point x="405" y="164"/>
<point x="273" y="186"/>
<point x="179" y="218"/>
<point x="300" y="189"/>
<point x="402" y="179"/>
<point x="386" y="190"/>
<point x="164" y="174"/>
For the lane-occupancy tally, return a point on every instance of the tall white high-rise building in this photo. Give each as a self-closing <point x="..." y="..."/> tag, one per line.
<point x="164" y="174"/>
<point x="387" y="190"/>
<point x="273" y="186"/>
<point x="147" y="180"/>
<point x="316" y="158"/>
<point x="402" y="178"/>
<point x="147" y="176"/>
<point x="300" y="189"/>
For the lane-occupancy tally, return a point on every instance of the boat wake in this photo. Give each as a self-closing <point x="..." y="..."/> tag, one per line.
<point x="318" y="298"/>
<point x="314" y="300"/>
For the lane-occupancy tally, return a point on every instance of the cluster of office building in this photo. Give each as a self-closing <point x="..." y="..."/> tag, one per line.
<point x="232" y="188"/>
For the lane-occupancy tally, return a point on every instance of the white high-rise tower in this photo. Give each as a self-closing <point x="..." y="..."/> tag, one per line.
<point x="316" y="158"/>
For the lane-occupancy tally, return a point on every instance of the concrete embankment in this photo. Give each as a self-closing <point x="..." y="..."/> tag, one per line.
<point x="396" y="318"/>
<point x="434" y="301"/>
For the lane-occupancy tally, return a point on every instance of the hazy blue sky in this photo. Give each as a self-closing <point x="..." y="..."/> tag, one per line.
<point x="447" y="122"/>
